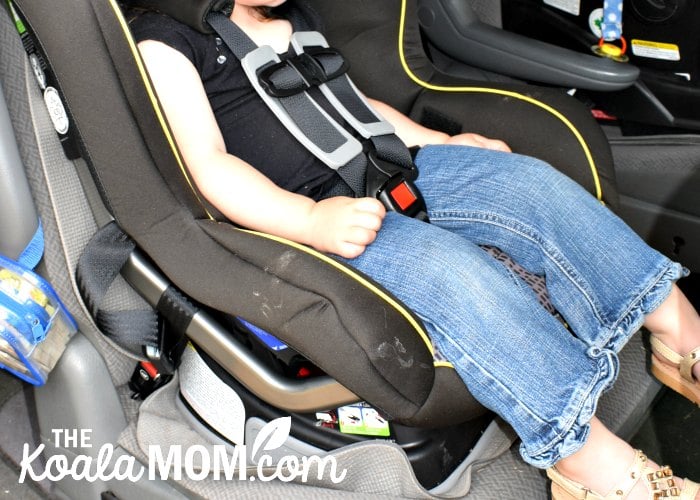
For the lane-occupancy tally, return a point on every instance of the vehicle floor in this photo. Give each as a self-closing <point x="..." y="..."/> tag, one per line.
<point x="10" y="487"/>
<point x="669" y="435"/>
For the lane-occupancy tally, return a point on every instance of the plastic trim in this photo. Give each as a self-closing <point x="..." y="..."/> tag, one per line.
<point x="454" y="28"/>
<point x="291" y="395"/>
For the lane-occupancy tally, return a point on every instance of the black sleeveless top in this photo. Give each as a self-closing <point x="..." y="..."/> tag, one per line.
<point x="250" y="130"/>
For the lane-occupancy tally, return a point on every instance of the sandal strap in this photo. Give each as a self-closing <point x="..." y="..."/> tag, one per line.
<point x="660" y="483"/>
<point x="579" y="492"/>
<point x="575" y="490"/>
<point x="664" y="350"/>
<point x="690" y="490"/>
<point x="636" y="471"/>
<point x="685" y="363"/>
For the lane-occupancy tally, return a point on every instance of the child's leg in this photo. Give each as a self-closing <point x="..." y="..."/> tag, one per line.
<point x="514" y="356"/>
<point x="601" y="276"/>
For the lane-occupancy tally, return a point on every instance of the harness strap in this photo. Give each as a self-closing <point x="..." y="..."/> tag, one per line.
<point x="348" y="100"/>
<point x="293" y="106"/>
<point x="283" y="86"/>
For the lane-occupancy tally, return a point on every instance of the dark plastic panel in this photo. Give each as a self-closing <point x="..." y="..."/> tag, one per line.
<point x="454" y="28"/>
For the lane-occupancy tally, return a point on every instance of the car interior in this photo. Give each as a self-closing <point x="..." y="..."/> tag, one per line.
<point x="190" y="331"/>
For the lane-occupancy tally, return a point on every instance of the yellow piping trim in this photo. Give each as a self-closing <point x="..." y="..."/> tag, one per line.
<point x="154" y="100"/>
<point x="444" y="364"/>
<point x="546" y="107"/>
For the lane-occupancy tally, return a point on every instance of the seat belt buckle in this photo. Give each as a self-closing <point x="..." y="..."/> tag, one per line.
<point x="146" y="379"/>
<point x="394" y="188"/>
<point x="402" y="196"/>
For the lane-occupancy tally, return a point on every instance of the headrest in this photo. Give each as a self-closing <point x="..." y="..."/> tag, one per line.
<point x="190" y="12"/>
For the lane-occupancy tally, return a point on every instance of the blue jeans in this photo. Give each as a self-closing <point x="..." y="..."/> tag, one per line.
<point x="515" y="357"/>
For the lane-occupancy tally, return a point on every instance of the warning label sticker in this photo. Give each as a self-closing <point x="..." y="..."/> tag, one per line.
<point x="570" y="6"/>
<point x="656" y="50"/>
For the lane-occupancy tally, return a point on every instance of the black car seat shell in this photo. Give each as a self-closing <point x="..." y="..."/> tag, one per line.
<point x="120" y="130"/>
<point x="147" y="190"/>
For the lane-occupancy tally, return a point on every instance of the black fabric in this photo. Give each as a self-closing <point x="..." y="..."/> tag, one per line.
<point x="177" y="309"/>
<point x="98" y="266"/>
<point x="191" y="12"/>
<point x="235" y="38"/>
<point x="359" y="354"/>
<point x="354" y="175"/>
<point x="366" y="32"/>
<point x="390" y="148"/>
<point x="530" y="130"/>
<point x="248" y="127"/>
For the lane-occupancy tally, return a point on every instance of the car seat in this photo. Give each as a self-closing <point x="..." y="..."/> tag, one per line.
<point x="112" y="139"/>
<point x="661" y="43"/>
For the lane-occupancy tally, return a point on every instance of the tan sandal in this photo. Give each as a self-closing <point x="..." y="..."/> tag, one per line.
<point x="660" y="484"/>
<point x="674" y="370"/>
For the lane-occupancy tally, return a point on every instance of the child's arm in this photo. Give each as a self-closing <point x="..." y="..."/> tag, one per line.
<point x="414" y="134"/>
<point x="340" y="225"/>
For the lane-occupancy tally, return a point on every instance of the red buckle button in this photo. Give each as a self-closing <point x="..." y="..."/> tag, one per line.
<point x="403" y="196"/>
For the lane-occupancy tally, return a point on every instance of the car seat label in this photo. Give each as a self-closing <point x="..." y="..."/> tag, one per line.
<point x="656" y="50"/>
<point x="570" y="6"/>
<point x="362" y="419"/>
<point x="57" y="112"/>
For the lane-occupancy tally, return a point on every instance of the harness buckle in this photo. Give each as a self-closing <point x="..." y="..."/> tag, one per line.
<point x="307" y="70"/>
<point x="393" y="186"/>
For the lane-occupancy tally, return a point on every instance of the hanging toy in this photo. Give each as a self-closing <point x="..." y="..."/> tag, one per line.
<point x="611" y="31"/>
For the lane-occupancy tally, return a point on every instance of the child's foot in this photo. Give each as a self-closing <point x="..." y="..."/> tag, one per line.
<point x="643" y="480"/>
<point x="680" y="372"/>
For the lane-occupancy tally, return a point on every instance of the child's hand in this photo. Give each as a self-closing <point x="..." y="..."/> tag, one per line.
<point x="345" y="226"/>
<point x="478" y="141"/>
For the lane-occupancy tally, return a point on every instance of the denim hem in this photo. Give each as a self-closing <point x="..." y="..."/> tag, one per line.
<point x="577" y="429"/>
<point x="632" y="319"/>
